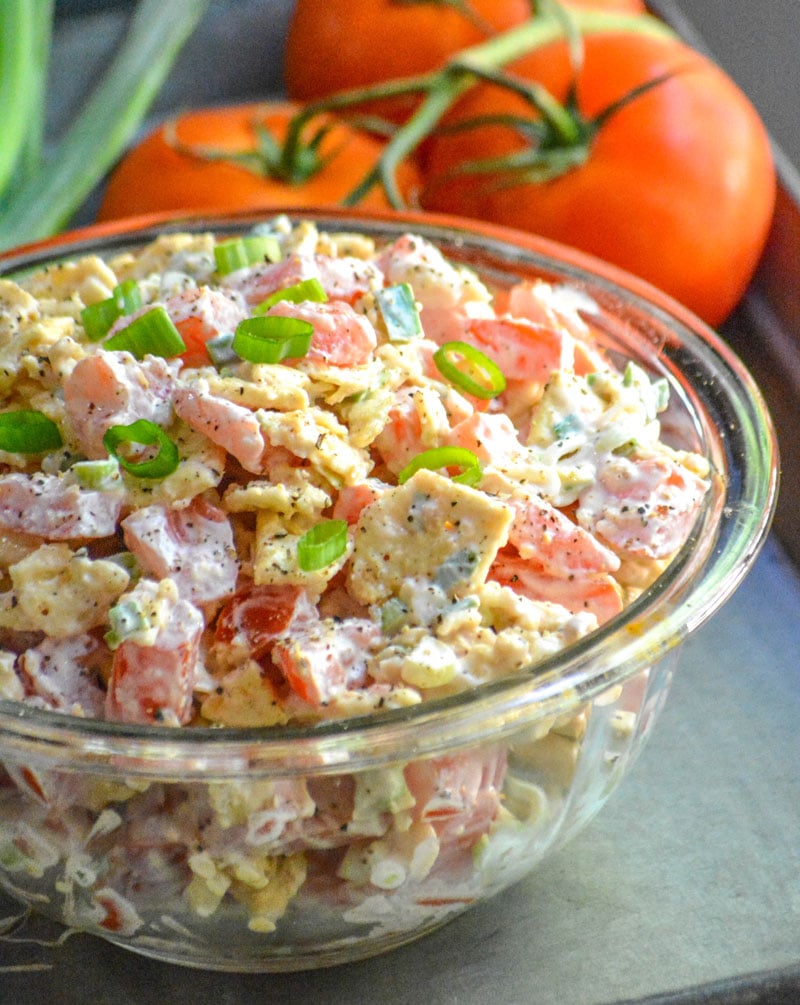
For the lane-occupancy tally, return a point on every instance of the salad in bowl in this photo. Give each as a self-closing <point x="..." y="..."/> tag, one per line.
<point x="345" y="560"/>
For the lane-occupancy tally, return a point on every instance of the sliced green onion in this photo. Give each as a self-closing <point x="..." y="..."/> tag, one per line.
<point x="491" y="381"/>
<point x="143" y="433"/>
<point x="126" y="560"/>
<point x="399" y="312"/>
<point x="240" y="252"/>
<point x="306" y="289"/>
<point x="153" y="333"/>
<point x="660" y="394"/>
<point x="102" y="474"/>
<point x="98" y="318"/>
<point x="220" y="349"/>
<point x="270" y="339"/>
<point x="567" y="426"/>
<point x="126" y="619"/>
<point x="394" y="616"/>
<point x="653" y="394"/>
<point x="456" y="569"/>
<point x="28" y="432"/>
<point x="445" y="457"/>
<point x="321" y="545"/>
<point x="127" y="296"/>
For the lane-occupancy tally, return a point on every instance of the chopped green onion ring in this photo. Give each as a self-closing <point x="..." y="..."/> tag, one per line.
<point x="241" y="252"/>
<point x="98" y="318"/>
<point x="99" y="474"/>
<point x="144" y="433"/>
<point x="27" y="431"/>
<point x="446" y="360"/>
<point x="306" y="289"/>
<point x="321" y="545"/>
<point x="399" y="312"/>
<point x="126" y="619"/>
<point x="270" y="339"/>
<point x="127" y="296"/>
<point x="151" y="333"/>
<point x="445" y="457"/>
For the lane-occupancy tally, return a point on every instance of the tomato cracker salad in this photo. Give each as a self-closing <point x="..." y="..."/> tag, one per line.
<point x="297" y="476"/>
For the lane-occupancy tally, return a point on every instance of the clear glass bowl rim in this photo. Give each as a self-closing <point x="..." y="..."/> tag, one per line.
<point x="725" y="542"/>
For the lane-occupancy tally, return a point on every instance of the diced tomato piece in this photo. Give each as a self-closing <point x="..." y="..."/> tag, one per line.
<point x="193" y="546"/>
<point x="342" y="337"/>
<point x="521" y="348"/>
<point x="154" y="684"/>
<point x="202" y="314"/>
<point x="597" y="593"/>
<point x="458" y="794"/>
<point x="326" y="658"/>
<point x="254" y="618"/>
<point x="352" y="499"/>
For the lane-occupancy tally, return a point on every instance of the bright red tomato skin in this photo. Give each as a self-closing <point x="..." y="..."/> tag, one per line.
<point x="343" y="44"/>
<point x="679" y="186"/>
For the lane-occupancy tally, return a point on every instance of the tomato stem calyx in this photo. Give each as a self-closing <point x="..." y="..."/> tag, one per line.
<point x="558" y="139"/>
<point x="560" y="135"/>
<point x="439" y="90"/>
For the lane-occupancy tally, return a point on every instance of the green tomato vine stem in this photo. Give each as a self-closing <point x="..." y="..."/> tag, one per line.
<point x="440" y="90"/>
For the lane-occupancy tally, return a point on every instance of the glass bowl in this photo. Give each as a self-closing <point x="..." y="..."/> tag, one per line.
<point x="102" y="824"/>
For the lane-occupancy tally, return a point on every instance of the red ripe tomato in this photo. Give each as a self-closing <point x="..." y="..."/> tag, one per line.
<point x="341" y="44"/>
<point x="344" y="44"/>
<point x="156" y="176"/>
<point x="677" y="186"/>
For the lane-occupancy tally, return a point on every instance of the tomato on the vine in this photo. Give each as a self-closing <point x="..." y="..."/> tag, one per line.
<point x="192" y="165"/>
<point x="677" y="186"/>
<point x="343" y="44"/>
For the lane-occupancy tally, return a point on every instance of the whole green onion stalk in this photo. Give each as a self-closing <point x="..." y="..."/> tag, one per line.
<point x="42" y="185"/>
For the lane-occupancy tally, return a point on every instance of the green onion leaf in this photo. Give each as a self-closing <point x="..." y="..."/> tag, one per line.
<point x="28" y="432"/>
<point x="152" y="333"/>
<point x="240" y="252"/>
<point x="321" y="545"/>
<point x="98" y="318"/>
<point x="445" y="457"/>
<point x="306" y="289"/>
<point x="399" y="312"/>
<point x="470" y="370"/>
<point x="270" y="339"/>
<point x="126" y="560"/>
<point x="143" y="433"/>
